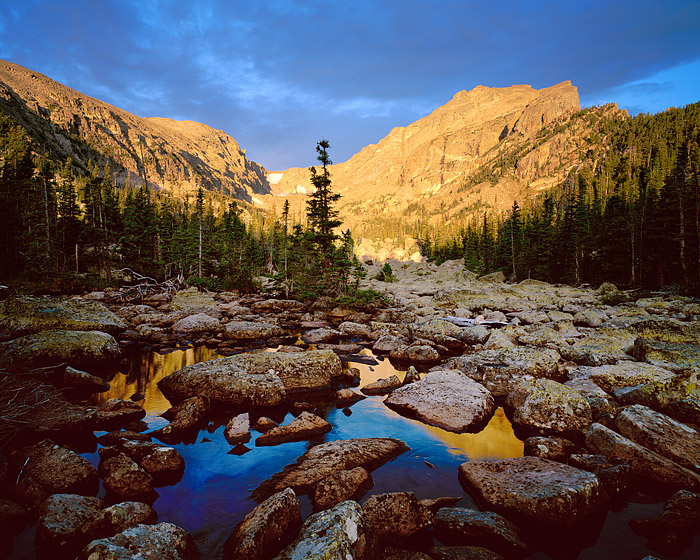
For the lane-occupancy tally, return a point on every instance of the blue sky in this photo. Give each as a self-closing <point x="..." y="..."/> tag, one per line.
<point x="280" y="75"/>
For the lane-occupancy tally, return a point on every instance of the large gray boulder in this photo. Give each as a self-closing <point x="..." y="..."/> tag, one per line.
<point x="164" y="541"/>
<point x="84" y="350"/>
<point x="339" y="533"/>
<point x="446" y="399"/>
<point x="23" y="315"/>
<point x="325" y="459"/>
<point x="535" y="491"/>
<point x="263" y="530"/>
<point x="255" y="380"/>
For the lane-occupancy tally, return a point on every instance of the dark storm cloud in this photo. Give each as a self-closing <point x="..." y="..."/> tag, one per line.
<point x="279" y="75"/>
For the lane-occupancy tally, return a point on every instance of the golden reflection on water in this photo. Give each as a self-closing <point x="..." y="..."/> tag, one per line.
<point x="495" y="441"/>
<point x="144" y="372"/>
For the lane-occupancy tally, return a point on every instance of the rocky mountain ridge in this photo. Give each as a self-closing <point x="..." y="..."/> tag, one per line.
<point x="177" y="156"/>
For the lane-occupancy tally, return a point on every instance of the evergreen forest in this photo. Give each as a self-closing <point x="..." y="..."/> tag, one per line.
<point x="628" y="215"/>
<point x="631" y="217"/>
<point x="66" y="230"/>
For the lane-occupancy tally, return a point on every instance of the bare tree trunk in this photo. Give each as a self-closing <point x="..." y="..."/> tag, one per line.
<point x="684" y="266"/>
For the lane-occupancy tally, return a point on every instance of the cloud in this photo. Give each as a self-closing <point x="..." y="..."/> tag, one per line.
<point x="279" y="74"/>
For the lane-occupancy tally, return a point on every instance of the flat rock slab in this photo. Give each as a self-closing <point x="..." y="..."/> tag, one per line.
<point x="263" y="530"/>
<point x="328" y="458"/>
<point x="446" y="399"/>
<point x="646" y="464"/>
<point x="662" y="434"/>
<point x="22" y="315"/>
<point x="304" y="426"/>
<point x="627" y="374"/>
<point x="339" y="533"/>
<point x="251" y="331"/>
<point x="79" y="349"/>
<point x="535" y="491"/>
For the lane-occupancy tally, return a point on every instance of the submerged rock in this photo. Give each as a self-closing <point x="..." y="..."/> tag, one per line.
<point x="327" y="458"/>
<point x="263" y="531"/>
<point x="535" y="491"/>
<point x="446" y="399"/>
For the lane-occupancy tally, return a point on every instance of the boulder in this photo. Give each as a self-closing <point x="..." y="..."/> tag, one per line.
<point x="316" y="336"/>
<point x="667" y="330"/>
<point x="46" y="468"/>
<point x="552" y="448"/>
<point x="593" y="318"/>
<point x="238" y="429"/>
<point x="116" y="413"/>
<point x="355" y="330"/>
<point x="661" y="394"/>
<point x="676" y="356"/>
<point x="662" y="434"/>
<point x="436" y="504"/>
<point x="685" y="410"/>
<point x="347" y="397"/>
<point x="197" y="325"/>
<point x="79" y="349"/>
<point x="125" y="480"/>
<point x="388" y="343"/>
<point x="61" y="520"/>
<point x="474" y="335"/>
<point x="305" y="426"/>
<point x="83" y="381"/>
<point x="463" y="526"/>
<point x="416" y="353"/>
<point x="382" y="386"/>
<point x="534" y="491"/>
<point x="549" y="407"/>
<point x="165" y="465"/>
<point x="341" y="486"/>
<point x="118" y="518"/>
<point x="626" y="374"/>
<point x="601" y="403"/>
<point x="391" y="553"/>
<point x="495" y="277"/>
<point x="648" y="467"/>
<point x="396" y="516"/>
<point x="265" y="424"/>
<point x="224" y="383"/>
<point x="193" y="300"/>
<point x="339" y="533"/>
<point x="250" y="331"/>
<point x="500" y="370"/>
<point x="263" y="531"/>
<point x="604" y="346"/>
<point x="164" y="541"/>
<point x="12" y="519"/>
<point x="22" y="315"/>
<point x="446" y="399"/>
<point x="616" y="476"/>
<point x="187" y="415"/>
<point x="324" y="459"/>
<point x="681" y="516"/>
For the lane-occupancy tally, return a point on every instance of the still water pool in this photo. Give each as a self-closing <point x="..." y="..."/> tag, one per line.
<point x="213" y="495"/>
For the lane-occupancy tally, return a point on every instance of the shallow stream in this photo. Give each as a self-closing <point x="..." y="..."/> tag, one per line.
<point x="212" y="497"/>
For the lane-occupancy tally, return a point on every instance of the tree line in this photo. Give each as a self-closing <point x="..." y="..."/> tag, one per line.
<point x="64" y="229"/>
<point x="630" y="216"/>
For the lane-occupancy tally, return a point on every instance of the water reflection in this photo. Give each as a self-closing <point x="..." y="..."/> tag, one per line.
<point x="143" y="371"/>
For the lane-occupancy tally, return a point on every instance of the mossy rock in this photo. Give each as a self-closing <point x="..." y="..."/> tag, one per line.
<point x="79" y="349"/>
<point x="192" y="298"/>
<point x="659" y="395"/>
<point x="676" y="356"/>
<point x="668" y="330"/>
<point x="23" y="315"/>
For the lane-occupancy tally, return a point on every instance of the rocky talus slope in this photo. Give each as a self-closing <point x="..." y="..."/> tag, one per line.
<point x="178" y="156"/>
